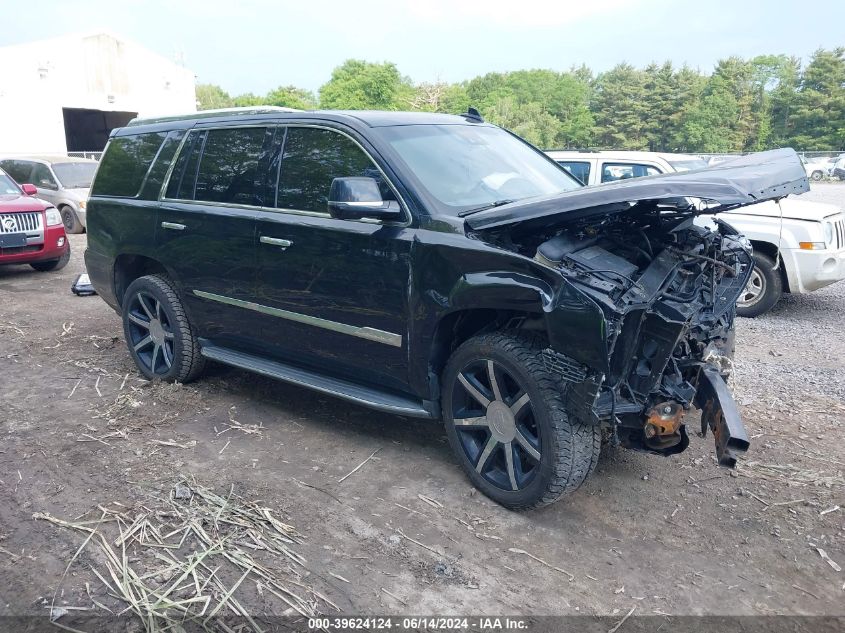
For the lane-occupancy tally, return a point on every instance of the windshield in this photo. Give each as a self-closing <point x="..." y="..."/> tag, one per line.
<point x="687" y="164"/>
<point x="470" y="166"/>
<point x="75" y="175"/>
<point x="8" y="186"/>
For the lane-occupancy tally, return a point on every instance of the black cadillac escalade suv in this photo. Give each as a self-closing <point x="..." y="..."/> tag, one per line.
<point x="434" y="266"/>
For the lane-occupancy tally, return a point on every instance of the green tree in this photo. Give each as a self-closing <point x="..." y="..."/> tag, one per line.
<point x="291" y="97"/>
<point x="211" y="96"/>
<point x="361" y="85"/>
<point x="710" y="125"/>
<point x="818" y="117"/>
<point x="530" y="121"/>
<point x="555" y="106"/>
<point x="689" y="86"/>
<point x="783" y="92"/>
<point x="248" y="99"/>
<point x="619" y="107"/>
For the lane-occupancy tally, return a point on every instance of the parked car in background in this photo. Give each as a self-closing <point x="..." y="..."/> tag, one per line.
<point x="799" y="246"/>
<point x="31" y="230"/>
<point x="838" y="170"/>
<point x="818" y="169"/>
<point x="61" y="180"/>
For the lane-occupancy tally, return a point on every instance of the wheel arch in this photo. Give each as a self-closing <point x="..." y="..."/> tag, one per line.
<point x="455" y="328"/>
<point x="129" y="267"/>
<point x="771" y="250"/>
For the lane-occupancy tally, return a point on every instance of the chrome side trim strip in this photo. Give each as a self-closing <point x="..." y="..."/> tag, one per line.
<point x="371" y="334"/>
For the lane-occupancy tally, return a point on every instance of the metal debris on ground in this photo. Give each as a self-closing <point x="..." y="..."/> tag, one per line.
<point x="185" y="560"/>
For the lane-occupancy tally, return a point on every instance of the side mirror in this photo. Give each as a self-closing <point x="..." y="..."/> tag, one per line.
<point x="29" y="190"/>
<point x="360" y="197"/>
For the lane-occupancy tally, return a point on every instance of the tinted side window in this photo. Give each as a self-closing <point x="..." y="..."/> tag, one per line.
<point x="158" y="171"/>
<point x="314" y="157"/>
<point x="229" y="169"/>
<point x="19" y="170"/>
<point x="623" y="171"/>
<point x="184" y="176"/>
<point x="125" y="164"/>
<point x="579" y="169"/>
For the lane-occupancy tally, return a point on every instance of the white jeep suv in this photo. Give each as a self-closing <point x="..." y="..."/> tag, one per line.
<point x="799" y="246"/>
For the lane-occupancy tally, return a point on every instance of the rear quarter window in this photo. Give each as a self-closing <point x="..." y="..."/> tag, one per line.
<point x="125" y="164"/>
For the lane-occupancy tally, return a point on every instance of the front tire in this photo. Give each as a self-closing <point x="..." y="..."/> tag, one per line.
<point x="817" y="176"/>
<point x="53" y="264"/>
<point x="764" y="288"/>
<point x="160" y="338"/>
<point x="507" y="423"/>
<point x="70" y="220"/>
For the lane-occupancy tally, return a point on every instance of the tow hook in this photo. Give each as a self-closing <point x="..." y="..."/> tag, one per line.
<point x="663" y="421"/>
<point x="719" y="413"/>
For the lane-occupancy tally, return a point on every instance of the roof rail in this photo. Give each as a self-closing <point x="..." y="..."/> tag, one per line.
<point x="207" y="114"/>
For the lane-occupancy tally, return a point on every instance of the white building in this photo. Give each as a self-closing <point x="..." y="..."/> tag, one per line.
<point x="66" y="94"/>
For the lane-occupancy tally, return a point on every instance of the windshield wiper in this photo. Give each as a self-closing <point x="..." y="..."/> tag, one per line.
<point x="491" y="205"/>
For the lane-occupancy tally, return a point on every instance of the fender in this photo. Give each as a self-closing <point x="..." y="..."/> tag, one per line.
<point x="500" y="290"/>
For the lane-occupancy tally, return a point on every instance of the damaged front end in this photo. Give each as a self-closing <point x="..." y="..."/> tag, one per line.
<point x="641" y="325"/>
<point x="666" y="290"/>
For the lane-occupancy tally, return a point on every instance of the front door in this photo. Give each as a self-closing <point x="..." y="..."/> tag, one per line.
<point x="337" y="290"/>
<point x="45" y="182"/>
<point x="206" y="227"/>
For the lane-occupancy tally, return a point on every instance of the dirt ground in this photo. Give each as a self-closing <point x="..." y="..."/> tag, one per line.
<point x="406" y="533"/>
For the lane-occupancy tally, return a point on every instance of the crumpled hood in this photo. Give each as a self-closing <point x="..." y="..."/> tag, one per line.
<point x="743" y="181"/>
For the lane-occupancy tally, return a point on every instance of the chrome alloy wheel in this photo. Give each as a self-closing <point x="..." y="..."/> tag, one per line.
<point x="754" y="289"/>
<point x="494" y="420"/>
<point x="150" y="333"/>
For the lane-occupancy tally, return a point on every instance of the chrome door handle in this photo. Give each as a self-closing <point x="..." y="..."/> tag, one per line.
<point x="173" y="225"/>
<point x="275" y="241"/>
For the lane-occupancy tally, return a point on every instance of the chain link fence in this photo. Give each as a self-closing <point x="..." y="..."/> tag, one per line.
<point x="93" y="155"/>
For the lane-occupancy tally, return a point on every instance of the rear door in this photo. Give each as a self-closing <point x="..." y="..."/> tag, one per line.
<point x="206" y="227"/>
<point x="335" y="291"/>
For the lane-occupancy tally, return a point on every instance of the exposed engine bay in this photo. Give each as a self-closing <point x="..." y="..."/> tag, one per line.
<point x="639" y="312"/>
<point x="667" y="290"/>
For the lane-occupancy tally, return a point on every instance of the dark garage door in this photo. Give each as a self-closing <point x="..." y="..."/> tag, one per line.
<point x="88" y="130"/>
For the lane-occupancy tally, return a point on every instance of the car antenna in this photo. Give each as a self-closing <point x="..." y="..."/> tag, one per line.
<point x="473" y="115"/>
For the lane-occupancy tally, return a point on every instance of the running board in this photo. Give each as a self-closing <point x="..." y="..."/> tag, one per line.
<point x="340" y="388"/>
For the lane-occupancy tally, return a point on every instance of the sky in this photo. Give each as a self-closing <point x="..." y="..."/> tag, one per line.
<point x="256" y="45"/>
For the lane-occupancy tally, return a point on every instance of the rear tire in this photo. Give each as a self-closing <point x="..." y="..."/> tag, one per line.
<point x="511" y="433"/>
<point x="817" y="176"/>
<point x="159" y="335"/>
<point x="53" y="264"/>
<point x="70" y="220"/>
<point x="764" y="288"/>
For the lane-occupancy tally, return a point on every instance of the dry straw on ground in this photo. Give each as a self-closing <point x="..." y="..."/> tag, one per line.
<point x="191" y="559"/>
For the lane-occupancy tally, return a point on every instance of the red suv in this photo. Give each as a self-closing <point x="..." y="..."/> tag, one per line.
<point x="31" y="230"/>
